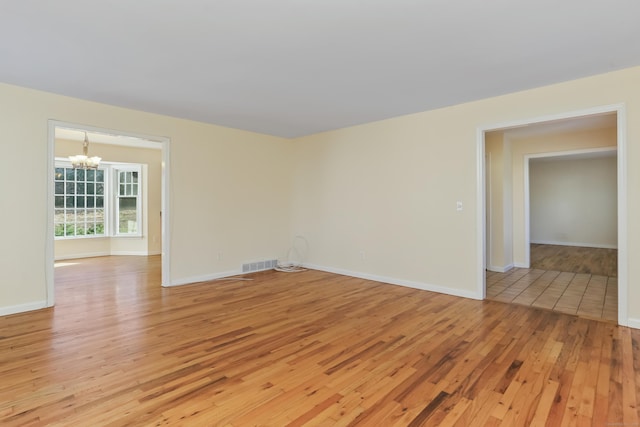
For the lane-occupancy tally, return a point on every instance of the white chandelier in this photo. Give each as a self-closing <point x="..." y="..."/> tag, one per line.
<point x="83" y="161"/>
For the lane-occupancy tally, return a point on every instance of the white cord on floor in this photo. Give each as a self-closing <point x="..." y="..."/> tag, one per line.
<point x="295" y="257"/>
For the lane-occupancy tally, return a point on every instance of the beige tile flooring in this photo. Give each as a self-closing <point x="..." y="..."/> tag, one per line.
<point x="585" y="295"/>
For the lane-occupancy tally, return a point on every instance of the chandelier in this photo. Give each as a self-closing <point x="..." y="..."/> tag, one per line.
<point x="83" y="161"/>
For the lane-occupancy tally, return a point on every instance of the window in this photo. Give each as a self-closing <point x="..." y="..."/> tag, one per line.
<point x="127" y="202"/>
<point x="97" y="203"/>
<point x="79" y="202"/>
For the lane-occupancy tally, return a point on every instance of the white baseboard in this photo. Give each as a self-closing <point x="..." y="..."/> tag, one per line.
<point x="520" y="265"/>
<point x="21" y="308"/>
<point x="400" y="282"/>
<point x="81" y="255"/>
<point x="585" y="245"/>
<point x="500" y="269"/>
<point x="115" y="253"/>
<point x="633" y="323"/>
<point x="129" y="253"/>
<point x="203" y="278"/>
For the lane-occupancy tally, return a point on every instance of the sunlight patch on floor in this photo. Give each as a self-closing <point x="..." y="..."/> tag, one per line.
<point x="63" y="264"/>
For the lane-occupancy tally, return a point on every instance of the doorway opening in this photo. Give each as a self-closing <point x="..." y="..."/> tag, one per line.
<point x="504" y="217"/>
<point x="120" y="208"/>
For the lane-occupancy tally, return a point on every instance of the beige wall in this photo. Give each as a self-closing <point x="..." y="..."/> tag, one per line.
<point x="389" y="189"/>
<point x="151" y="241"/>
<point x="229" y="191"/>
<point x="376" y="200"/>
<point x="560" y="142"/>
<point x="573" y="201"/>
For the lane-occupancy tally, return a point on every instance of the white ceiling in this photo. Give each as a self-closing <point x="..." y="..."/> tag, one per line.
<point x="296" y="67"/>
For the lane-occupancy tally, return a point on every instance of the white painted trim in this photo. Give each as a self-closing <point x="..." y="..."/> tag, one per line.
<point x="394" y="281"/>
<point x="623" y="253"/>
<point x="106" y="253"/>
<point x="129" y="253"/>
<point x="577" y="244"/>
<point x="481" y="217"/>
<point x="520" y="265"/>
<point x="165" y="212"/>
<point x="204" y="278"/>
<point x="620" y="110"/>
<point x="500" y="269"/>
<point x="49" y="251"/>
<point x="82" y="255"/>
<point x="488" y="188"/>
<point x="633" y="323"/>
<point x="21" y="308"/>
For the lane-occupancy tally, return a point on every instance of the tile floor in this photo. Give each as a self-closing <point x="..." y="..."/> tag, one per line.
<point x="585" y="295"/>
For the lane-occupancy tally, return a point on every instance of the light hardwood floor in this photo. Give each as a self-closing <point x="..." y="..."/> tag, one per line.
<point x="308" y="348"/>
<point x="573" y="280"/>
<point x="575" y="259"/>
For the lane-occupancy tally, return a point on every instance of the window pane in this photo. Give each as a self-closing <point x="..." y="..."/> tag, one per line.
<point x="91" y="175"/>
<point x="99" y="202"/>
<point x="80" y="201"/>
<point x="70" y="174"/>
<point x="71" y="187"/>
<point x="59" y="173"/>
<point x="122" y="190"/>
<point x="59" y="188"/>
<point x="99" y="188"/>
<point x="80" y="188"/>
<point x="128" y="218"/>
<point x="58" y="230"/>
<point x="70" y="202"/>
<point x="91" y="189"/>
<point x="100" y="175"/>
<point x="134" y="177"/>
<point x="134" y="192"/>
<point x="71" y="216"/>
<point x="59" y="202"/>
<point x="79" y="174"/>
<point x="90" y="201"/>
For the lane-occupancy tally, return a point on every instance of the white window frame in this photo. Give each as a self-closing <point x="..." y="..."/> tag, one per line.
<point x="116" y="169"/>
<point x="65" y="163"/>
<point x="111" y="206"/>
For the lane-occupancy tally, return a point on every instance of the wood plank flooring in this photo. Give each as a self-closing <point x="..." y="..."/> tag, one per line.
<point x="309" y="348"/>
<point x="575" y="259"/>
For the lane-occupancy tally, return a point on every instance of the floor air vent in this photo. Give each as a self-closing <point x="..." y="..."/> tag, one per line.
<point x="250" y="267"/>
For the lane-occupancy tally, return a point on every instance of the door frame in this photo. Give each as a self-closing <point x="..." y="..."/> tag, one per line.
<point x="621" y="120"/>
<point x="161" y="142"/>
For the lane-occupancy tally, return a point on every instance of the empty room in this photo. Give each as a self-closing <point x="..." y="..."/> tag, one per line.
<point x="294" y="213"/>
